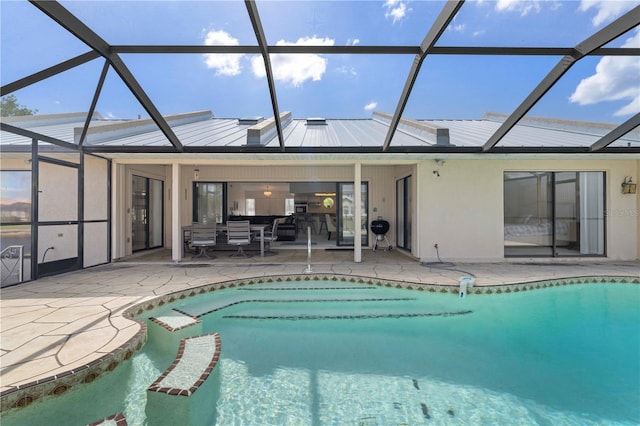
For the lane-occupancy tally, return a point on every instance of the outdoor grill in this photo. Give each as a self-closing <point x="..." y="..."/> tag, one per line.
<point x="380" y="228"/>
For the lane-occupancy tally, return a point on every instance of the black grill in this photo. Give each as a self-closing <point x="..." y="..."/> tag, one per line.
<point x="379" y="227"/>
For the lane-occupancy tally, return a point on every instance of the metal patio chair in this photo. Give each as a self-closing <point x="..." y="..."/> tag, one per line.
<point x="203" y="236"/>
<point x="239" y="234"/>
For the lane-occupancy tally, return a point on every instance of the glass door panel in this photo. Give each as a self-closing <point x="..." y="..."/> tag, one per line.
<point x="147" y="217"/>
<point x="156" y="209"/>
<point x="579" y="213"/>
<point x="566" y="213"/>
<point x="346" y="214"/>
<point x="528" y="213"/>
<point x="139" y="215"/>
<point x="403" y="213"/>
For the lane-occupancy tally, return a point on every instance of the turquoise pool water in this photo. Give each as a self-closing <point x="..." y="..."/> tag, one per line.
<point x="325" y="353"/>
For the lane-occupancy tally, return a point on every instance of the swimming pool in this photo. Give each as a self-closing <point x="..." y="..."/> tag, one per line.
<point x="333" y="352"/>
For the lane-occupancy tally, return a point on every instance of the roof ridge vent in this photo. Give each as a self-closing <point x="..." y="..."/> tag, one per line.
<point x="316" y="121"/>
<point x="111" y="130"/>
<point x="261" y="133"/>
<point x="425" y="131"/>
<point x="250" y="121"/>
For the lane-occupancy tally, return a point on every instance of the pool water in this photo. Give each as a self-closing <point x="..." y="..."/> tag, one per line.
<point x="332" y="353"/>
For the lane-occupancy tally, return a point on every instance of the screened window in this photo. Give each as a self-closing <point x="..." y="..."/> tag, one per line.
<point x="554" y="213"/>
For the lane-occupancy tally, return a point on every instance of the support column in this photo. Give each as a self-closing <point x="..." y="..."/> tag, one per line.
<point x="357" y="214"/>
<point x="176" y="229"/>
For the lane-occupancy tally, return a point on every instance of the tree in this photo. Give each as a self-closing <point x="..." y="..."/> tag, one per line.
<point x="9" y="107"/>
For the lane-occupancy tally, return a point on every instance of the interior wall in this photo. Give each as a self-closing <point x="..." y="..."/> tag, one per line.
<point x="461" y="207"/>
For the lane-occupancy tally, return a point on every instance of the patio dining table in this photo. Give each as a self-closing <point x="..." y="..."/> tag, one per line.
<point x="186" y="234"/>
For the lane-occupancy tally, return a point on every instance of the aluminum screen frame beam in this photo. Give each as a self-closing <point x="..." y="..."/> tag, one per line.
<point x="38" y="136"/>
<point x="616" y="133"/>
<point x="94" y="102"/>
<point x="615" y="29"/>
<point x="48" y="72"/>
<point x="252" y="10"/>
<point x="68" y="21"/>
<point x="441" y="23"/>
<point x="369" y="50"/>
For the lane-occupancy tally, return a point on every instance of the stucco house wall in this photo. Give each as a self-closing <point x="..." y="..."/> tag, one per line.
<point x="461" y="207"/>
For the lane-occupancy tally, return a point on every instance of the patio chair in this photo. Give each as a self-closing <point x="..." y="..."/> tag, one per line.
<point x="270" y="237"/>
<point x="239" y="234"/>
<point x="203" y="236"/>
<point x="331" y="225"/>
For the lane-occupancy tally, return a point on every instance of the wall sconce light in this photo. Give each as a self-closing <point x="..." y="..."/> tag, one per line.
<point x="267" y="193"/>
<point x="628" y="187"/>
<point x="196" y="173"/>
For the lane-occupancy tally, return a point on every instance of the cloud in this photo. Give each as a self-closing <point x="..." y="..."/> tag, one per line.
<point x="396" y="9"/>
<point x="371" y="106"/>
<point x="295" y="69"/>
<point x="344" y="69"/>
<point x="606" y="10"/>
<point x="224" y="64"/>
<point x="617" y="78"/>
<point x="521" y="6"/>
<point x="353" y="42"/>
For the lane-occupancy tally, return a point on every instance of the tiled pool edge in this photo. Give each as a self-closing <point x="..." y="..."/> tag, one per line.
<point x="24" y="395"/>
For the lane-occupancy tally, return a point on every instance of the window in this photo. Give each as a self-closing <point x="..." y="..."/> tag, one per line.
<point x="554" y="213"/>
<point x="289" y="206"/>
<point x="209" y="202"/>
<point x="250" y="207"/>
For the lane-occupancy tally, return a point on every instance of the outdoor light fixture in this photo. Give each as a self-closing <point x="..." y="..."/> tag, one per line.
<point x="267" y="193"/>
<point x="628" y="187"/>
<point x="196" y="173"/>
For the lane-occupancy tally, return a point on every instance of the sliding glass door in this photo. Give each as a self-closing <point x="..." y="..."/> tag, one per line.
<point x="554" y="213"/>
<point x="147" y="217"/>
<point x="403" y="213"/>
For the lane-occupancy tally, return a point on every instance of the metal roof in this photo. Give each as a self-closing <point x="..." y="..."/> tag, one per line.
<point x="160" y="134"/>
<point x="200" y="132"/>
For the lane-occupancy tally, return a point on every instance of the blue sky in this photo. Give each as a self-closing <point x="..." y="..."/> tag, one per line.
<point x="332" y="86"/>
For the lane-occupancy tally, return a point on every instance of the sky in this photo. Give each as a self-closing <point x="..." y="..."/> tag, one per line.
<point x="332" y="86"/>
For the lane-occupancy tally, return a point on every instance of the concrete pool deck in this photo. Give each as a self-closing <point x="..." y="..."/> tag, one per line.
<point x="55" y="326"/>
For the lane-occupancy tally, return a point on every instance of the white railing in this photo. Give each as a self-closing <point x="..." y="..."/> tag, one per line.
<point x="11" y="265"/>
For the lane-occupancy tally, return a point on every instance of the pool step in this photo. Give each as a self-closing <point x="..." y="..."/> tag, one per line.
<point x="114" y="420"/>
<point x="175" y="320"/>
<point x="172" y="397"/>
<point x="201" y="309"/>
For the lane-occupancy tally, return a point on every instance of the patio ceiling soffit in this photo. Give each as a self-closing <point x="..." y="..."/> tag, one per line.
<point x="441" y="23"/>
<point x="615" y="29"/>
<point x="64" y="18"/>
<point x="264" y="51"/>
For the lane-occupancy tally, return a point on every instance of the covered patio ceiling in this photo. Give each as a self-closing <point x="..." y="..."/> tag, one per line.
<point x="594" y="45"/>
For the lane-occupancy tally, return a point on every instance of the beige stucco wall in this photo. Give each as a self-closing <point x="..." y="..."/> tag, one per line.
<point x="461" y="210"/>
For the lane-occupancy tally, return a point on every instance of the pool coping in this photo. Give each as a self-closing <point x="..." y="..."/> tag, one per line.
<point x="23" y="395"/>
